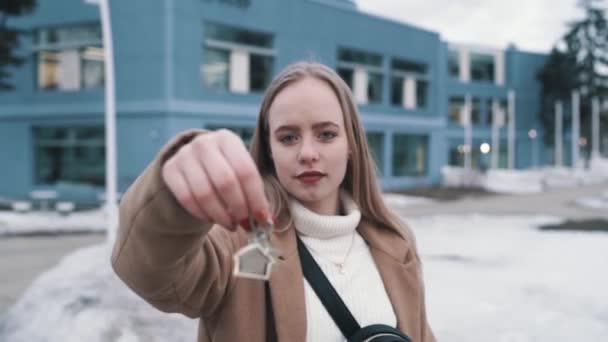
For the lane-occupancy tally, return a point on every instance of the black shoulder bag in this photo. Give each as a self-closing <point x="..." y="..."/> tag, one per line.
<point x="338" y="310"/>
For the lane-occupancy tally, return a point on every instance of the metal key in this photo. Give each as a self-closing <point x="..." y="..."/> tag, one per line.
<point x="256" y="259"/>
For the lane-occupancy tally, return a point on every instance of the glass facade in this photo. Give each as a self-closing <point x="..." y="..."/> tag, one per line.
<point x="69" y="154"/>
<point x="69" y="58"/>
<point x="410" y="155"/>
<point x="222" y="42"/>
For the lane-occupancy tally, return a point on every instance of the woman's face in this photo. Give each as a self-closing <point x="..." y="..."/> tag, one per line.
<point x="308" y="143"/>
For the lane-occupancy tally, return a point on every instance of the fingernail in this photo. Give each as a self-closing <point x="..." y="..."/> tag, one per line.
<point x="261" y="216"/>
<point x="245" y="224"/>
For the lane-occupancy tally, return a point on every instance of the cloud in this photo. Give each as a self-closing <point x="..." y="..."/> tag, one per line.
<point x="530" y="24"/>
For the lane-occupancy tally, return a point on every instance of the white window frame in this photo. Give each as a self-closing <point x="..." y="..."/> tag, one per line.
<point x="240" y="55"/>
<point x="61" y="48"/>
<point x="361" y="78"/>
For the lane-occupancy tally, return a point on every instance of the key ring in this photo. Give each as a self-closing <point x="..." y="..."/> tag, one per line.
<point x="255" y="260"/>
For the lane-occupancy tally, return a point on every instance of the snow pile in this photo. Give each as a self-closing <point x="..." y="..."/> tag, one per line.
<point x="47" y="222"/>
<point x="82" y="299"/>
<point x="514" y="181"/>
<point x="401" y="201"/>
<point x="528" y="180"/>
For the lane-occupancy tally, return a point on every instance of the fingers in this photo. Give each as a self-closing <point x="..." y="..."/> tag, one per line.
<point x="224" y="181"/>
<point x="214" y="178"/>
<point x="179" y="187"/>
<point x="249" y="179"/>
<point x="205" y="194"/>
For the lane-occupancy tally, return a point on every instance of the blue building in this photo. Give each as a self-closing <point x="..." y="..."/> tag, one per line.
<point x="205" y="64"/>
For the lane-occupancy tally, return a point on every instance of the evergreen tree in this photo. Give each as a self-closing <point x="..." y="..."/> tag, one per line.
<point x="579" y="61"/>
<point x="9" y="37"/>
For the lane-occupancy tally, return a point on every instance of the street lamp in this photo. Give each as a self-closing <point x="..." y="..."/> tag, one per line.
<point x="110" y="118"/>
<point x="533" y="135"/>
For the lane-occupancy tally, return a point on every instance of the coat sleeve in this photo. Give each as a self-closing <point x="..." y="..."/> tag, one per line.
<point x="174" y="261"/>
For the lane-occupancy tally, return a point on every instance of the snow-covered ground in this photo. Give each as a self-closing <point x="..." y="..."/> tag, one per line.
<point x="528" y="180"/>
<point x="595" y="202"/>
<point x="500" y="279"/>
<point x="81" y="299"/>
<point x="487" y="279"/>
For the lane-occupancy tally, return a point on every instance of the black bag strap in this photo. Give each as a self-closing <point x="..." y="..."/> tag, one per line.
<point x="326" y="293"/>
<point x="271" y="333"/>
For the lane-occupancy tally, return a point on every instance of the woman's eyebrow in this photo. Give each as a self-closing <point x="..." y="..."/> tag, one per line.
<point x="287" y="128"/>
<point x="325" y="124"/>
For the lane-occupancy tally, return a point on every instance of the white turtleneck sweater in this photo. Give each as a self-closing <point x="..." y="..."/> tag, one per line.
<point x="329" y="238"/>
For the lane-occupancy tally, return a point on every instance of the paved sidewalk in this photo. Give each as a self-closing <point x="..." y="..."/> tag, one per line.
<point x="556" y="202"/>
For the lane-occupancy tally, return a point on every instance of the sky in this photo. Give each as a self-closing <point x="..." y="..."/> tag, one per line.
<point x="532" y="25"/>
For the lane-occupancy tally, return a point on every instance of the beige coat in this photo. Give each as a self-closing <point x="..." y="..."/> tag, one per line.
<point x="180" y="264"/>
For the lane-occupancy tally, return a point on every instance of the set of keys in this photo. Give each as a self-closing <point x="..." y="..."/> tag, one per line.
<point x="255" y="260"/>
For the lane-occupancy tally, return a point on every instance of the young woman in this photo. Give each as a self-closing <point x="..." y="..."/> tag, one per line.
<point x="310" y="167"/>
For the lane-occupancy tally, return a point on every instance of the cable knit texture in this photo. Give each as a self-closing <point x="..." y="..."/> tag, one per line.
<point x="329" y="239"/>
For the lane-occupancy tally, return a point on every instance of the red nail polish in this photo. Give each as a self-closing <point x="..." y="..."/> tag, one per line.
<point x="261" y="216"/>
<point x="245" y="224"/>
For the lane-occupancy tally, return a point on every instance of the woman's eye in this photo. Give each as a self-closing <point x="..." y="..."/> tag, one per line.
<point x="327" y="135"/>
<point x="287" y="139"/>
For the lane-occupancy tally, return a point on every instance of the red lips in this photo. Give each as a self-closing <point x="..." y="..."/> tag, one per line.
<point x="310" y="176"/>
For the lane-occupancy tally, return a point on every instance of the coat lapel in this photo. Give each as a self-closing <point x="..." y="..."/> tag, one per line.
<point x="287" y="289"/>
<point x="398" y="268"/>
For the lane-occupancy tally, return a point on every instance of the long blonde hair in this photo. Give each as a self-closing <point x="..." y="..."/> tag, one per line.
<point x="360" y="180"/>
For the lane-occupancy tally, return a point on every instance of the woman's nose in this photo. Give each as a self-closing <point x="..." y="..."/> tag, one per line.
<point x="308" y="152"/>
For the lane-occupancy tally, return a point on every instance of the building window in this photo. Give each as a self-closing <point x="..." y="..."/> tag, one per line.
<point x="69" y="58"/>
<point x="69" y="154"/>
<point x="237" y="60"/>
<point x="246" y="133"/>
<point x="502" y="108"/>
<point x="410" y="155"/>
<point x="482" y="67"/>
<point x="409" y="84"/>
<point x="453" y="64"/>
<point x="489" y="114"/>
<point x="376" y="145"/>
<point x="476" y="111"/>
<point x="362" y="71"/>
<point x="455" y="107"/>
<point x="478" y="160"/>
